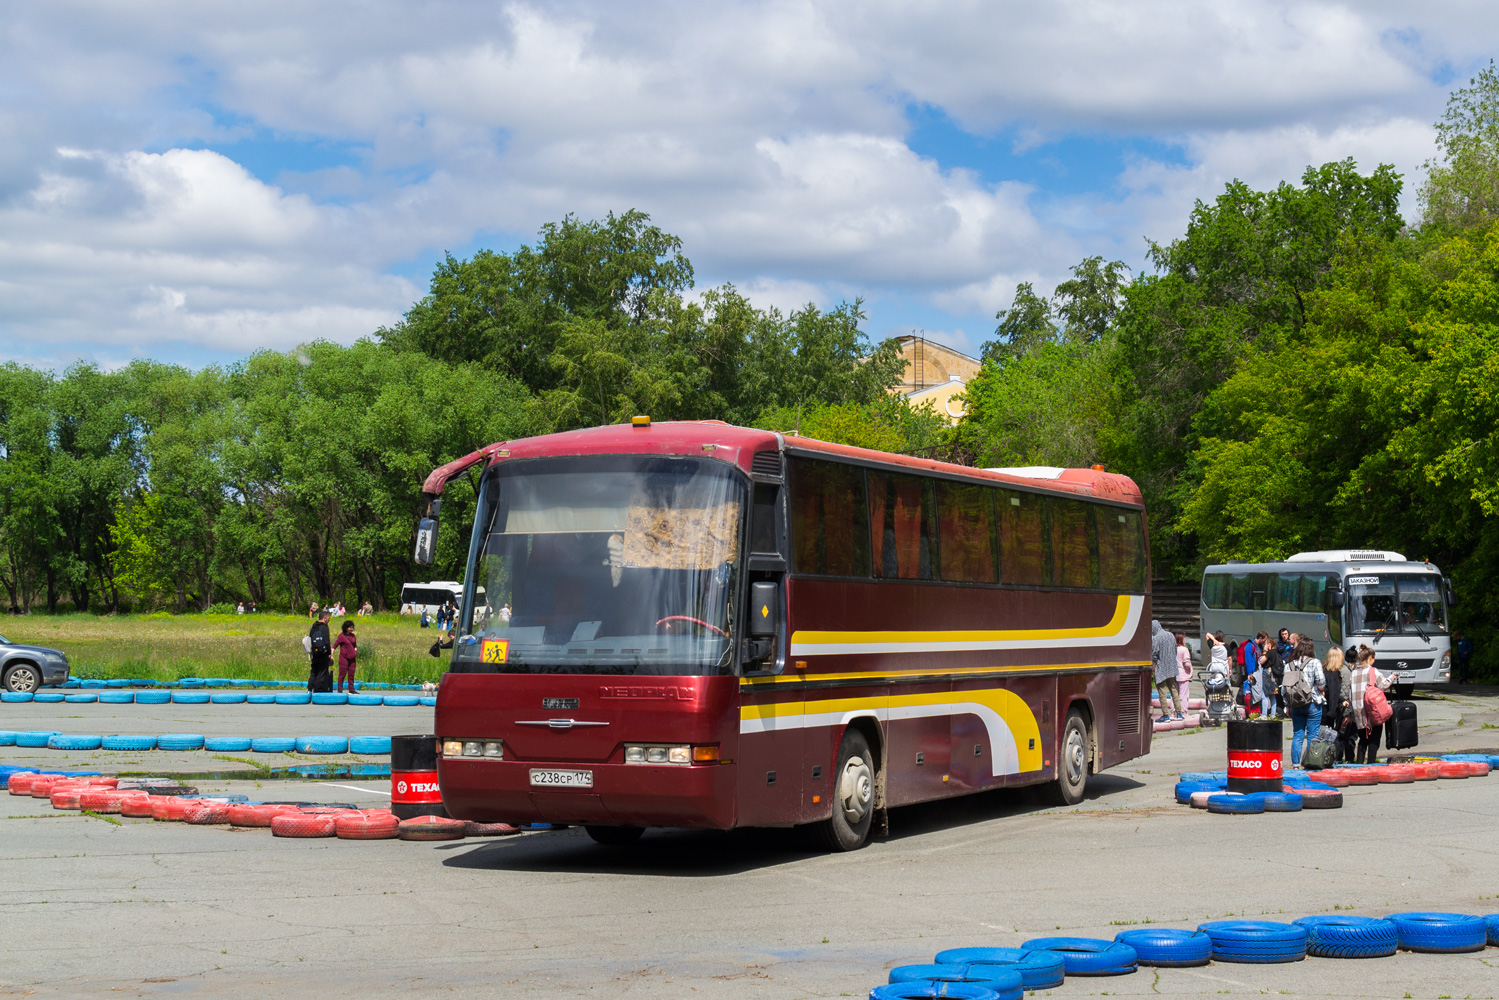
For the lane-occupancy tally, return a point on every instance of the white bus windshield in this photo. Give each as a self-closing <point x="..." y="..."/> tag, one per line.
<point x="614" y="565"/>
<point x="1396" y="603"/>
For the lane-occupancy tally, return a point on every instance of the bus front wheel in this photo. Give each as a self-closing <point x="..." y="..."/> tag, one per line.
<point x="853" y="796"/>
<point x="1072" y="760"/>
<point x="614" y="836"/>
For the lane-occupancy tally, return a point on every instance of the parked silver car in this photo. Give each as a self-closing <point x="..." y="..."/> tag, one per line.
<point x="27" y="668"/>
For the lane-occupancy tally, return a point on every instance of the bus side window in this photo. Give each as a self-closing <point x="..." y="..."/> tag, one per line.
<point x="828" y="519"/>
<point x="1261" y="586"/>
<point x="1287" y="592"/>
<point x="1215" y="590"/>
<point x="1313" y="593"/>
<point x="965" y="532"/>
<point x="1074" y="544"/>
<point x="1121" y="556"/>
<point x="1238" y="592"/>
<point x="1023" y="553"/>
<point x="902" y="525"/>
<point x="763" y="519"/>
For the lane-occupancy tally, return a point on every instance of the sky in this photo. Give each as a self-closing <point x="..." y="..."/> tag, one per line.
<point x="192" y="182"/>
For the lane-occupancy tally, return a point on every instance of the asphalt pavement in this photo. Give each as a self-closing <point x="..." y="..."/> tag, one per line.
<point x="131" y="907"/>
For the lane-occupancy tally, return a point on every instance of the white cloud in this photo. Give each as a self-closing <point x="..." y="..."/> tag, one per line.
<point x="771" y="136"/>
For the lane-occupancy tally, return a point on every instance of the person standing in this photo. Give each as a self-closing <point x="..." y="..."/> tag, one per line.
<point x="1332" y="706"/>
<point x="1183" y="671"/>
<point x="1371" y="710"/>
<point x="1464" y="654"/>
<point x="348" y="652"/>
<point x="1305" y="692"/>
<point x="1271" y="669"/>
<point x="319" y="678"/>
<point x="1163" y="659"/>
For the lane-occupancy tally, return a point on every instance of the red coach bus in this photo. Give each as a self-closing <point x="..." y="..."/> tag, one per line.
<point x="698" y="625"/>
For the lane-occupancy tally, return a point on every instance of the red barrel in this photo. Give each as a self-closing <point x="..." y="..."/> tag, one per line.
<point x="413" y="777"/>
<point x="1255" y="749"/>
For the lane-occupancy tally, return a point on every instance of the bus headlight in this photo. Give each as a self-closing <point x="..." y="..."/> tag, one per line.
<point x="1444" y="666"/>
<point x="493" y="749"/>
<point x="671" y="754"/>
<point x="452" y="748"/>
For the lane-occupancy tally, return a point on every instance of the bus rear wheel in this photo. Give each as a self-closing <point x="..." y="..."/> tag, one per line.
<point x="853" y="796"/>
<point x="614" y="836"/>
<point x="1073" y="757"/>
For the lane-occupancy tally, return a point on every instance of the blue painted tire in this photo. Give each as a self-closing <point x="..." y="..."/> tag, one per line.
<point x="429" y="702"/>
<point x="179" y="741"/>
<point x="16" y="696"/>
<point x="35" y="737"/>
<point x="1440" y="932"/>
<point x="366" y="699"/>
<point x="116" y="698"/>
<point x="330" y="698"/>
<point x="91" y="683"/>
<point x="227" y="698"/>
<point x="7" y="738"/>
<point x="48" y="697"/>
<point x="1039" y="970"/>
<point x="227" y="744"/>
<point x="190" y="682"/>
<point x="1167" y="947"/>
<point x="87" y="698"/>
<point x="369" y="744"/>
<point x="190" y="697"/>
<point x="924" y="989"/>
<point x="402" y="700"/>
<point x="67" y="742"/>
<point x="119" y="682"/>
<point x="118" y="742"/>
<point x="1235" y="804"/>
<point x="1088" y="956"/>
<point x="273" y="744"/>
<point x="1208" y="776"/>
<point x="1184" y="790"/>
<point x="293" y="698"/>
<point x="1492" y="920"/>
<point x="1340" y="936"/>
<point x="1256" y="941"/>
<point x="1005" y="983"/>
<point x="1280" y="802"/>
<point x="152" y="697"/>
<point x="260" y="699"/>
<point x="322" y="744"/>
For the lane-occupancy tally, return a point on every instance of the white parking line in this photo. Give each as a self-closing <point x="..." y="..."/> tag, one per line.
<point x="356" y="788"/>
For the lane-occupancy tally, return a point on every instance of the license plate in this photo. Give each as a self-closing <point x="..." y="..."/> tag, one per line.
<point x="561" y="779"/>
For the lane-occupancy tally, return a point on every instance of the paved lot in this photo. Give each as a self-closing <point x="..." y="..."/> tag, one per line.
<point x="93" y="908"/>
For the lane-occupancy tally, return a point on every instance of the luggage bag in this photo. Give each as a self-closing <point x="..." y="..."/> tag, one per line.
<point x="1400" y="731"/>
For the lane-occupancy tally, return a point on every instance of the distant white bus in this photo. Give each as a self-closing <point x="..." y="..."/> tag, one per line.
<point x="429" y="597"/>
<point x="1345" y="597"/>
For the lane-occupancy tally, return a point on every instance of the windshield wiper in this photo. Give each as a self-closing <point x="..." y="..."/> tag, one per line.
<point x="1417" y="629"/>
<point x="1391" y="619"/>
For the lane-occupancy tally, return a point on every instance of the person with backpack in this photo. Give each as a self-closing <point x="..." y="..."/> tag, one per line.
<point x="1368" y="705"/>
<point x="320" y="648"/>
<point x="1304" y="690"/>
<point x="1163" y="659"/>
<point x="1273" y="671"/>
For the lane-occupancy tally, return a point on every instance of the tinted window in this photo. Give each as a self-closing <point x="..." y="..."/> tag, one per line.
<point x="829" y="526"/>
<point x="965" y="530"/>
<point x="902" y="525"/>
<point x="1022" y="538"/>
<point x="1074" y="544"/>
<point x="1215" y="590"/>
<point x="1287" y="593"/>
<point x="1121" y="548"/>
<point x="763" y="518"/>
<point x="1261" y="585"/>
<point x="1313" y="593"/>
<point x="1238" y="592"/>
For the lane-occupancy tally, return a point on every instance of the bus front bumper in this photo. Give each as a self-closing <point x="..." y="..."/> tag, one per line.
<point x="502" y="791"/>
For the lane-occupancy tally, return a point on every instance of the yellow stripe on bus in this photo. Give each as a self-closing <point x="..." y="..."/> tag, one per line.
<point x="895" y="676"/>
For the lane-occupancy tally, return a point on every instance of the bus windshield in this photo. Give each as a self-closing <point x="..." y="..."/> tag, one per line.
<point x="1391" y="603"/>
<point x="610" y="565"/>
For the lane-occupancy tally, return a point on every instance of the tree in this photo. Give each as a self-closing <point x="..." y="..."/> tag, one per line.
<point x="1461" y="190"/>
<point x="1023" y="327"/>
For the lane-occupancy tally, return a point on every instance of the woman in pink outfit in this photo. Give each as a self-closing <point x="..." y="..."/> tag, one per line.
<point x="1183" y="670"/>
<point x="348" y="652"/>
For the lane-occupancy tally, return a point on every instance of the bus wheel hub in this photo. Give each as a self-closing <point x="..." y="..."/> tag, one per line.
<point x="855" y="790"/>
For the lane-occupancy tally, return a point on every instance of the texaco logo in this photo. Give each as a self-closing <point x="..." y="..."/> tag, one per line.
<point x="401" y="787"/>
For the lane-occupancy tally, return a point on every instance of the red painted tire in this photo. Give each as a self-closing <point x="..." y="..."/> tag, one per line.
<point x="505" y="829"/>
<point x="367" y="826"/>
<point x="136" y="805"/>
<point x="1361" y="775"/>
<point x="159" y="806"/>
<point x="105" y="782"/>
<point x="1477" y="768"/>
<point x="1427" y="770"/>
<point x="67" y="798"/>
<point x="20" y="784"/>
<point x="433" y="828"/>
<point x="207" y="813"/>
<point x="41" y="786"/>
<point x="1396" y="774"/>
<point x="177" y="808"/>
<point x="258" y="815"/>
<point x="300" y="824"/>
<point x="100" y="800"/>
<point x="1452" y="769"/>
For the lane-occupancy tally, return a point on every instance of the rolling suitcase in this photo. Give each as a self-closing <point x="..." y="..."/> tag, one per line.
<point x="1400" y="731"/>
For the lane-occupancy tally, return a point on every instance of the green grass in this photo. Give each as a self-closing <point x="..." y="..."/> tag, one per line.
<point x="164" y="647"/>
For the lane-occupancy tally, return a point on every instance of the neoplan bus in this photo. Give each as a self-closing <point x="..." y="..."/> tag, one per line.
<point x="718" y="627"/>
<point x="1343" y="597"/>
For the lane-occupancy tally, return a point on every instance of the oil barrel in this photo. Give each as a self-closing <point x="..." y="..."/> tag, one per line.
<point x="1254" y="755"/>
<point x="413" y="777"/>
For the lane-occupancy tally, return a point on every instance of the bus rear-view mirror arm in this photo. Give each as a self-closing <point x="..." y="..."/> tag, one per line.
<point x="425" y="550"/>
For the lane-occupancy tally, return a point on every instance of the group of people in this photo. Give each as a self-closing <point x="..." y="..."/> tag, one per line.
<point x="337" y="609"/>
<point x="321" y="646"/>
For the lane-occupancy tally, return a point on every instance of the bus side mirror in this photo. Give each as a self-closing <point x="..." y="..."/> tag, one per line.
<point x="426" y="541"/>
<point x="1335" y="598"/>
<point x="1451" y="597"/>
<point x="765" y="610"/>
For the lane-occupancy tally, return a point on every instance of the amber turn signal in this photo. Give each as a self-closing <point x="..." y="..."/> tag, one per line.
<point x="643" y="420"/>
<point x="704" y="755"/>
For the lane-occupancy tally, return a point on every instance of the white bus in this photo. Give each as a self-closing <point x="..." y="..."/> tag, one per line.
<point x="1349" y="597"/>
<point x="428" y="597"/>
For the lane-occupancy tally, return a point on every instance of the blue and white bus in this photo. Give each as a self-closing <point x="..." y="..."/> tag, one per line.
<point x="1346" y="597"/>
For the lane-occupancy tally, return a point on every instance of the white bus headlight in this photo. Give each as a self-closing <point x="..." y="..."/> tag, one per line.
<point x="1444" y="667"/>
<point x="452" y="748"/>
<point x="681" y="754"/>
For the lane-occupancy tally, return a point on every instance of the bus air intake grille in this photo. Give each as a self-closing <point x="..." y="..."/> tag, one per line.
<point x="1129" y="704"/>
<point x="766" y="465"/>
